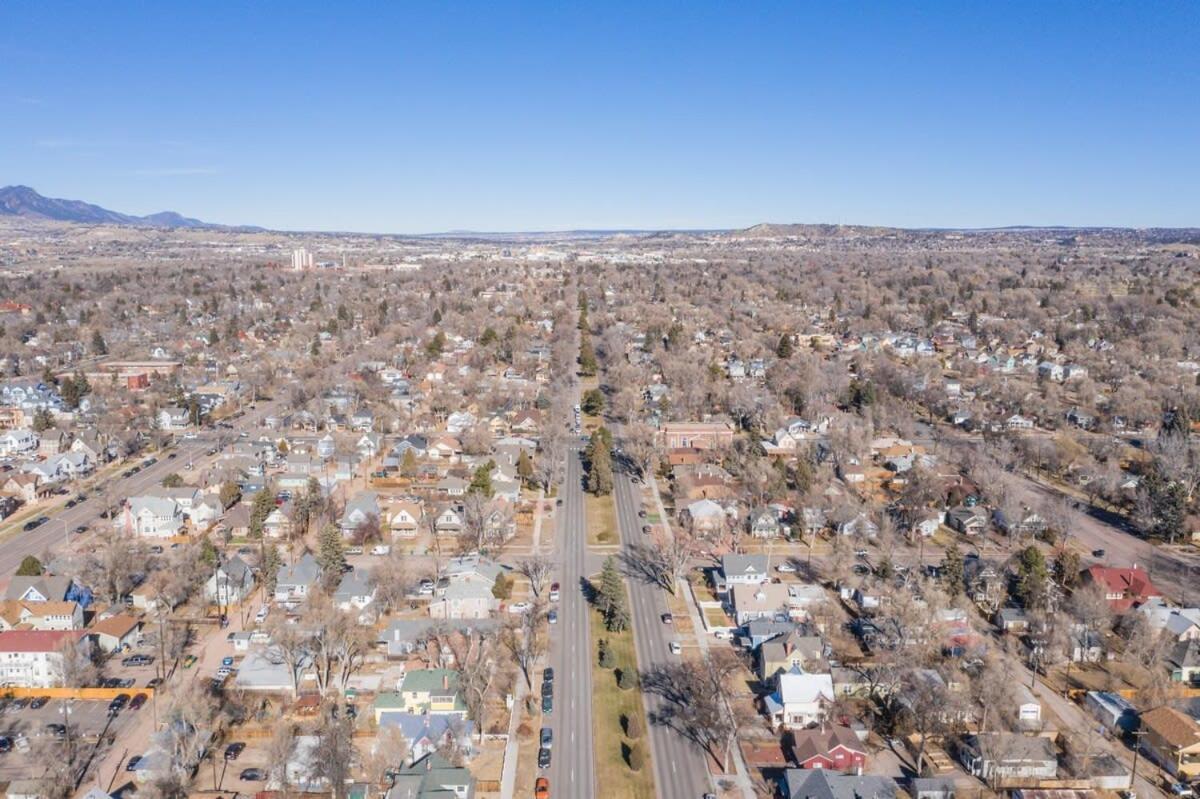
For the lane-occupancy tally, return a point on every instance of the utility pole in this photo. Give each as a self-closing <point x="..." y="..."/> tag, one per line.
<point x="1137" y="748"/>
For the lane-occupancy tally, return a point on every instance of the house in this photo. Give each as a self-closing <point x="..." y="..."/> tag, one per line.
<point x="173" y="417"/>
<point x="432" y="777"/>
<point x="1181" y="624"/>
<point x="363" y="507"/>
<point x="426" y="691"/>
<point x="967" y="520"/>
<point x="16" y="614"/>
<point x="232" y="582"/>
<point x="453" y="486"/>
<point x="424" y="733"/>
<point x="799" y="699"/>
<point x="1123" y="588"/>
<point x="742" y="570"/>
<point x="764" y="524"/>
<point x="1012" y="620"/>
<point x="116" y="633"/>
<point x="29" y="488"/>
<point x="18" y="442"/>
<point x="704" y="516"/>
<point x="765" y="601"/>
<point x="278" y="523"/>
<point x="788" y="651"/>
<point x="34" y="658"/>
<point x="1084" y="646"/>
<point x="405" y="519"/>
<point x="293" y="582"/>
<point x="153" y="517"/>
<point x="449" y="521"/>
<point x="822" y="784"/>
<point x="833" y="748"/>
<point x="1172" y="740"/>
<point x="44" y="588"/>
<point x="1004" y="756"/>
<point x="1184" y="661"/>
<point x="355" y="592"/>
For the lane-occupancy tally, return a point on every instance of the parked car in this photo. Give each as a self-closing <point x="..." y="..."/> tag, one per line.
<point x="554" y="592"/>
<point x="675" y="647"/>
<point x="56" y="730"/>
<point x="518" y="607"/>
<point x="133" y="763"/>
<point x="6" y="744"/>
<point x="641" y="513"/>
<point x="541" y="788"/>
<point x="548" y="674"/>
<point x="547" y="737"/>
<point x="667" y="618"/>
<point x="1098" y="553"/>
<point x="543" y="758"/>
<point x="227" y="661"/>
<point x="552" y="616"/>
<point x="785" y="568"/>
<point x="234" y="750"/>
<point x="39" y="702"/>
<point x="253" y="775"/>
<point x="547" y="704"/>
<point x="138" y="660"/>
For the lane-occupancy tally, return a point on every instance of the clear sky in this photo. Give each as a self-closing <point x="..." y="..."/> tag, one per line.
<point x="407" y="117"/>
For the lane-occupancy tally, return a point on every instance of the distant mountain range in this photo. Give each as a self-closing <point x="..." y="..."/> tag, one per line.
<point x="25" y="202"/>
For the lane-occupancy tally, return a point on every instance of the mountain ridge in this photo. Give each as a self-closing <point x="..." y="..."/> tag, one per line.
<point x="26" y="202"/>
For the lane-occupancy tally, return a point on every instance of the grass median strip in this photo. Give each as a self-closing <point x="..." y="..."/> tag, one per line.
<point x="618" y="717"/>
<point x="601" y="520"/>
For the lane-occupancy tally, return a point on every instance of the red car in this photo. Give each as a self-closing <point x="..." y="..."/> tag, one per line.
<point x="541" y="788"/>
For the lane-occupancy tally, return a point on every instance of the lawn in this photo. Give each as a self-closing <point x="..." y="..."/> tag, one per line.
<point x="609" y="704"/>
<point x="601" y="520"/>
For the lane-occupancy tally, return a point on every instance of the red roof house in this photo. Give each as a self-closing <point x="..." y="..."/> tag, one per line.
<point x="1123" y="588"/>
<point x="833" y="747"/>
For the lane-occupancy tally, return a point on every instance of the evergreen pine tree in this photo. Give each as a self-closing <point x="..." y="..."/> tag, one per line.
<point x="331" y="553"/>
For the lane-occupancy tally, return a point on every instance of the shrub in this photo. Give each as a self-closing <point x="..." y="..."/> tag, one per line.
<point x="632" y="725"/>
<point x="607" y="658"/>
<point x="626" y="679"/>
<point x="636" y="758"/>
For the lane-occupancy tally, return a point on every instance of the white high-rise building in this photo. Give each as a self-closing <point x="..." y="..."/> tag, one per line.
<point x="301" y="259"/>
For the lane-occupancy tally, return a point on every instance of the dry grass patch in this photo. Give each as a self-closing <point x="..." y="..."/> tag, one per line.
<point x="611" y="706"/>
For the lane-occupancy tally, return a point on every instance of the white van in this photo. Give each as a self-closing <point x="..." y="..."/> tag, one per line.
<point x="381" y="549"/>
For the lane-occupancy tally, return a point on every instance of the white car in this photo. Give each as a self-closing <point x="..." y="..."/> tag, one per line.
<point x="675" y="648"/>
<point x="381" y="549"/>
<point x="262" y="614"/>
<point x="518" y="607"/>
<point x="785" y="568"/>
<point x="189" y="436"/>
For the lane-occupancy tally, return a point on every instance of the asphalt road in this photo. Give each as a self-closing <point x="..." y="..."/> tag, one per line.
<point x="55" y="534"/>
<point x="680" y="768"/>
<point x="572" y="767"/>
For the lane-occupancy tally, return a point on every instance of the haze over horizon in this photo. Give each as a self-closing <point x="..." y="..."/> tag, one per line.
<point x="471" y="117"/>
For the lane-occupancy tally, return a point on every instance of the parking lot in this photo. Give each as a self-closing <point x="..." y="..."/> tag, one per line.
<point x="88" y="720"/>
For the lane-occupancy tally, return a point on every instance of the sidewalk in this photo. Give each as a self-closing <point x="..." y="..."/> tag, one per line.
<point x="537" y="522"/>
<point x="508" y="775"/>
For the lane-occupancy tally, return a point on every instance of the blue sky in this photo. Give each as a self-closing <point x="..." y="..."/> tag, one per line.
<point x="405" y="117"/>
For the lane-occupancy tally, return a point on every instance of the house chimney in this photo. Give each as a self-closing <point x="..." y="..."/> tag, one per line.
<point x="445" y="682"/>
